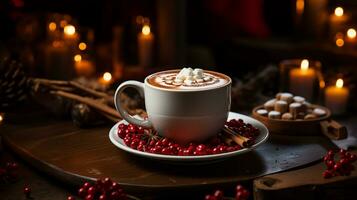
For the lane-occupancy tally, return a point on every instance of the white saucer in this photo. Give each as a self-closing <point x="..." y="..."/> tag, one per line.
<point x="263" y="136"/>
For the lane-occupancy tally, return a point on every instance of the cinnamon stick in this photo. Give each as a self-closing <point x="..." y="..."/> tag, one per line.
<point x="89" y="101"/>
<point x="239" y="139"/>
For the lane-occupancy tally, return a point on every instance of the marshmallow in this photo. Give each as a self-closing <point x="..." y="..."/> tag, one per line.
<point x="281" y="106"/>
<point x="274" y="115"/>
<point x="262" y="112"/>
<point x="287" y="116"/>
<point x="299" y="99"/>
<point x="278" y="95"/>
<point x="207" y="78"/>
<point x="269" y="105"/>
<point x="199" y="80"/>
<point x="310" y="116"/>
<point x="188" y="82"/>
<point x="294" y="109"/>
<point x="319" y="112"/>
<point x="288" y="97"/>
<point x="198" y="73"/>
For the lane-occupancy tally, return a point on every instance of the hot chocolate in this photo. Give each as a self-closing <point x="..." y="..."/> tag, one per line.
<point x="188" y="79"/>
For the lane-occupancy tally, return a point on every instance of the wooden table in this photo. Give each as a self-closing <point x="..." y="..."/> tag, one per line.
<point x="181" y="190"/>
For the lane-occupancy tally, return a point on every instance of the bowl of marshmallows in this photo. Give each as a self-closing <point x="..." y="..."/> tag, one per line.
<point x="287" y="114"/>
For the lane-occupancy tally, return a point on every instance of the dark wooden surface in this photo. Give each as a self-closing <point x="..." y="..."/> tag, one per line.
<point x="62" y="154"/>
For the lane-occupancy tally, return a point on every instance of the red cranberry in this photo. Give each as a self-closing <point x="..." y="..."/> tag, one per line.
<point x="330" y="164"/>
<point x="102" y="197"/>
<point x="114" y="195"/>
<point x="166" y="151"/>
<point x="91" y="190"/>
<point x="342" y="152"/>
<point x="82" y="192"/>
<point x="132" y="128"/>
<point x="86" y="185"/>
<point x="218" y="194"/>
<point x="70" y="198"/>
<point x="140" y="130"/>
<point x="210" y="197"/>
<point x="122" y="126"/>
<point x="89" y="197"/>
<point x="27" y="191"/>
<point x="165" y="142"/>
<point x="337" y="166"/>
<point x="121" y="133"/>
<point x="353" y="157"/>
<point x="344" y="161"/>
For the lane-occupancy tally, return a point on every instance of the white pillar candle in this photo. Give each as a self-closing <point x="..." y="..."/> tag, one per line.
<point x="302" y="80"/>
<point x="336" y="97"/>
<point x="145" y="45"/>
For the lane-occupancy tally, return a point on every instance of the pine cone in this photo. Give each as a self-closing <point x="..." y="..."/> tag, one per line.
<point x="13" y="83"/>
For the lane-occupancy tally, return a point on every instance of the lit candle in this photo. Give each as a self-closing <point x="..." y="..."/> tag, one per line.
<point x="83" y="67"/>
<point x="145" y="45"/>
<point x="58" y="61"/>
<point x="336" y="97"/>
<point x="339" y="40"/>
<point x="1" y="118"/>
<point x="70" y="35"/>
<point x="106" y="79"/>
<point x="302" y="80"/>
<point x="337" y="20"/>
<point x="351" y="36"/>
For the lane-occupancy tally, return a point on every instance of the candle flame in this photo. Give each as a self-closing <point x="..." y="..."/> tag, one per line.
<point x="1" y="118"/>
<point x="340" y="42"/>
<point x="77" y="58"/>
<point x="304" y="64"/>
<point x="339" y="11"/>
<point x="339" y="83"/>
<point x="146" y="30"/>
<point x="82" y="46"/>
<point x="69" y="30"/>
<point x="52" y="26"/>
<point x="300" y="4"/>
<point x="351" y="33"/>
<point x="322" y="84"/>
<point x="107" y="76"/>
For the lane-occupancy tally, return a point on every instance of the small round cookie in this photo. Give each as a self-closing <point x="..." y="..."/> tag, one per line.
<point x="310" y="116"/>
<point x="281" y="106"/>
<point x="262" y="112"/>
<point x="288" y="97"/>
<point x="319" y="112"/>
<point x="269" y="105"/>
<point x="299" y="99"/>
<point x="274" y="115"/>
<point x="287" y="116"/>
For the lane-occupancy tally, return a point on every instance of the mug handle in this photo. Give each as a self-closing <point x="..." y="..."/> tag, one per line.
<point x="140" y="88"/>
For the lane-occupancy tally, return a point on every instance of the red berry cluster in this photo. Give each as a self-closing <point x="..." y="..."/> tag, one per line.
<point x="342" y="167"/>
<point x="9" y="173"/>
<point x="244" y="129"/>
<point x="241" y="194"/>
<point x="147" y="140"/>
<point x="103" y="189"/>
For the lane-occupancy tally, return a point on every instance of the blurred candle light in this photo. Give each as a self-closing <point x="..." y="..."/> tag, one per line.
<point x="145" y="45"/>
<point x="340" y="42"/>
<point x="339" y="11"/>
<point x="82" y="46"/>
<point x="77" y="58"/>
<point x="300" y="5"/>
<point x="106" y="79"/>
<point x="83" y="67"/>
<point x="1" y="117"/>
<point x="69" y="30"/>
<point x="336" y="97"/>
<point x="351" y="33"/>
<point x="302" y="80"/>
<point x="52" y="26"/>
<point x="338" y="20"/>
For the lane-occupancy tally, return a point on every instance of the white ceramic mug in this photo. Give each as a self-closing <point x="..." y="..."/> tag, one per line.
<point x="182" y="115"/>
